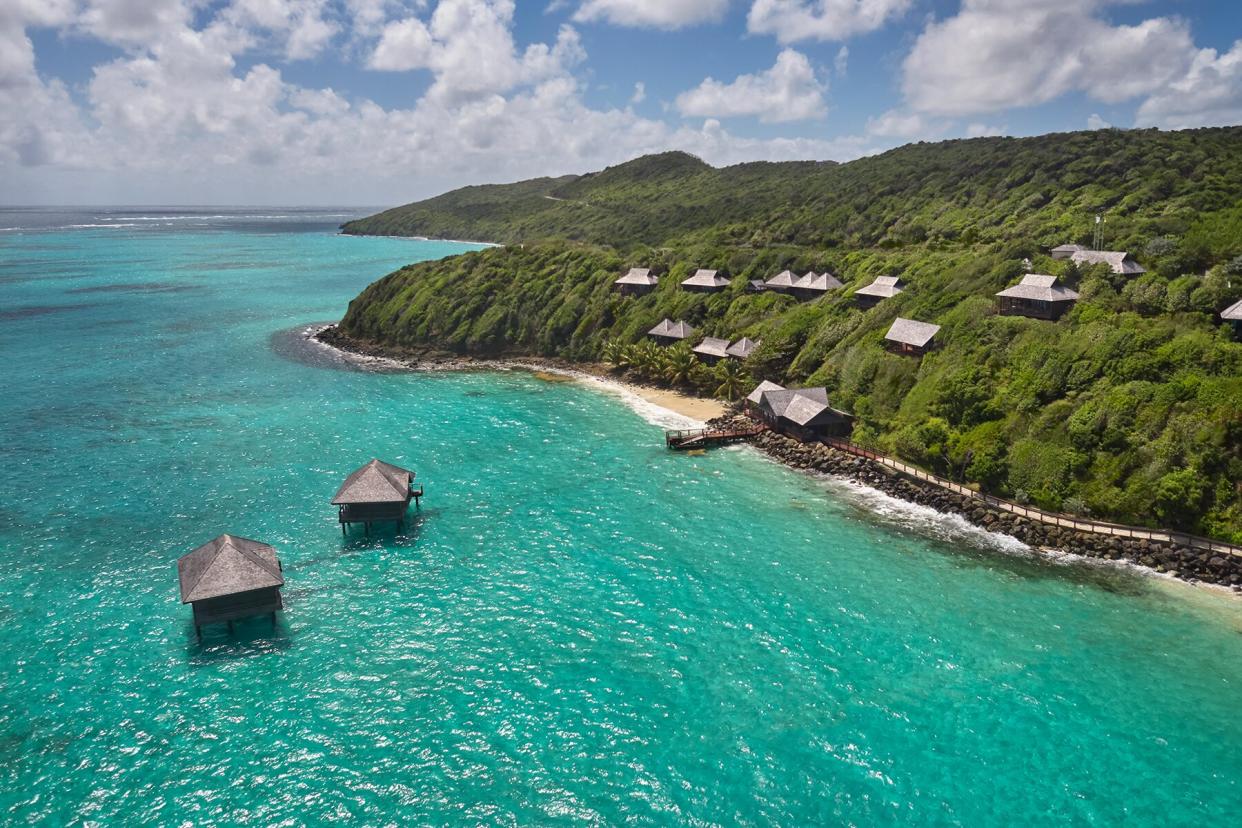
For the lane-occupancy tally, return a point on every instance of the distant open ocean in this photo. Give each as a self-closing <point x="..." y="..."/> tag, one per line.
<point x="578" y="627"/>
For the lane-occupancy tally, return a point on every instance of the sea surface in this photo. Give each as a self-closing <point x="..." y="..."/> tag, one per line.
<point x="577" y="627"/>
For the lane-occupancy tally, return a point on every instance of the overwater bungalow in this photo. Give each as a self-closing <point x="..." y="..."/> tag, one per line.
<point x="1233" y="314"/>
<point x="814" y="285"/>
<point x="669" y="332"/>
<point x="230" y="578"/>
<point x="711" y="350"/>
<point x="705" y="281"/>
<point x="377" y="492"/>
<point x="1064" y="251"/>
<point x="882" y="288"/>
<point x="743" y="348"/>
<point x="803" y="413"/>
<point x="751" y="403"/>
<point x="782" y="282"/>
<point x="1037" y="296"/>
<point x="908" y="336"/>
<point x="1118" y="261"/>
<point x="636" y="282"/>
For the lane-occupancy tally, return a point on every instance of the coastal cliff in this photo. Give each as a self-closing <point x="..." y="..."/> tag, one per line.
<point x="1128" y="408"/>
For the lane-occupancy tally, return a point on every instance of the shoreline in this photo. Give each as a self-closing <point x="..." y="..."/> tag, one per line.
<point x="341" y="232"/>
<point x="1159" y="561"/>
<point x="694" y="411"/>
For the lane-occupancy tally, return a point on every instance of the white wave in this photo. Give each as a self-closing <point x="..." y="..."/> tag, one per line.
<point x="107" y="226"/>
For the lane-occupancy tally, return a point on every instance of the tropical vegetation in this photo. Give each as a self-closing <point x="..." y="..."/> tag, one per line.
<point x="1128" y="408"/>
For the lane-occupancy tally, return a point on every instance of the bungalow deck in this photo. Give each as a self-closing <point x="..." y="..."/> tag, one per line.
<point x="699" y="438"/>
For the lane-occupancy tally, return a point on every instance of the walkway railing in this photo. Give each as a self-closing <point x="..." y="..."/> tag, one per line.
<point x="1097" y="527"/>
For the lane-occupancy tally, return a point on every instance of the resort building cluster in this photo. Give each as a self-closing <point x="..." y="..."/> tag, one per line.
<point x="805" y="413"/>
<point x="230" y="578"/>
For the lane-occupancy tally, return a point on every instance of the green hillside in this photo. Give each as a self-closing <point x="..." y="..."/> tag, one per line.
<point x="1130" y="407"/>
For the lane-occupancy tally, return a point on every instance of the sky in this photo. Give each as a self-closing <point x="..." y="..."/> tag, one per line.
<point x="380" y="102"/>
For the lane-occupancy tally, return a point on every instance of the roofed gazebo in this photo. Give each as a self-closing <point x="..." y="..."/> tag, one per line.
<point x="882" y="288"/>
<point x="705" y="281"/>
<point x="376" y="492"/>
<point x="1038" y="296"/>
<point x="1118" y="261"/>
<point x="908" y="336"/>
<point x="813" y="285"/>
<point x="229" y="578"/>
<point x="743" y="348"/>
<point x="637" y="281"/>
<point x="782" y="282"/>
<point x="711" y="350"/>
<point x="669" y="332"/>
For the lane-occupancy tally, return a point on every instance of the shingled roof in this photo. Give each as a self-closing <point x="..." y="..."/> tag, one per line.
<point x="227" y="565"/>
<point x="705" y="278"/>
<point x="712" y="346"/>
<point x="883" y="286"/>
<point x="761" y="389"/>
<point x="911" y="332"/>
<point x="637" y="276"/>
<point x="1067" y="249"/>
<point x="1233" y="312"/>
<point x="376" y="482"/>
<point x="1041" y="287"/>
<point x="671" y="330"/>
<point x="743" y="348"/>
<point x="1118" y="260"/>
<point x="784" y="279"/>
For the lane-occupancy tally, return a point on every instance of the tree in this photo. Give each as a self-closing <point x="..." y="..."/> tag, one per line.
<point x="679" y="365"/>
<point x="732" y="380"/>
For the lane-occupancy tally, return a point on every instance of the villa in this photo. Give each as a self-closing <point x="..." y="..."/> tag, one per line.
<point x="1037" y="296"/>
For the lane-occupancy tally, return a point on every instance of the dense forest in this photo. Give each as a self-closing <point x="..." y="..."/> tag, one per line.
<point x="1128" y="408"/>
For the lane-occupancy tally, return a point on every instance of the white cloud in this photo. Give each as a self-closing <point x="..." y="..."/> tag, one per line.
<point x="996" y="54"/>
<point x="1209" y="94"/>
<point x="1094" y="121"/>
<point x="978" y="130"/>
<point x="841" y="62"/>
<point x="897" y="124"/>
<point x="177" y="118"/>
<point x="655" y="14"/>
<point x="640" y="93"/>
<point x="794" y="20"/>
<point x="469" y="47"/>
<point x="789" y="91"/>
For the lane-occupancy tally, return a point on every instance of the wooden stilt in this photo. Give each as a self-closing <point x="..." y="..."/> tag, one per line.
<point x="367" y="528"/>
<point x="198" y="631"/>
<point x="273" y="621"/>
<point x="230" y="628"/>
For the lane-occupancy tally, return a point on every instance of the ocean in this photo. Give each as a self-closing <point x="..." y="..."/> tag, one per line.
<point x="576" y="627"/>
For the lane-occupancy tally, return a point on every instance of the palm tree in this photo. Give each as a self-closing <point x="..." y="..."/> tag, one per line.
<point x="679" y="365"/>
<point x="731" y="378"/>
<point x="614" y="353"/>
<point x="645" y="358"/>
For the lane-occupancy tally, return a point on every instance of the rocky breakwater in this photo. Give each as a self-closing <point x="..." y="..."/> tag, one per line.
<point x="1185" y="562"/>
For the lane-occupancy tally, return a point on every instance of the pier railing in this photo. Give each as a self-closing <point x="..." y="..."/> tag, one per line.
<point x="1097" y="527"/>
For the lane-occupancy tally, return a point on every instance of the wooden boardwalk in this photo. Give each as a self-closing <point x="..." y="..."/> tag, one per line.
<point x="1051" y="518"/>
<point x="701" y="438"/>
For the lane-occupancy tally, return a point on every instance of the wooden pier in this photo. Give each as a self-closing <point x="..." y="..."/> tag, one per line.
<point x="701" y="438"/>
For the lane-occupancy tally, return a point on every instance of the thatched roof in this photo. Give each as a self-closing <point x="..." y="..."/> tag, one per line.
<point x="226" y="566"/>
<point x="1118" y="260"/>
<point x="712" y="346"/>
<point x="705" y="278"/>
<point x="376" y="482"/>
<point x="671" y="330"/>
<point x="883" y="286"/>
<point x="743" y="348"/>
<point x="784" y="279"/>
<point x="638" y="276"/>
<point x="761" y="389"/>
<point x="1233" y="312"/>
<point x="1040" y="287"/>
<point x="910" y="332"/>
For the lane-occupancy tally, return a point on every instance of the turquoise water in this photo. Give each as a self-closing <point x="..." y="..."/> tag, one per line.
<point x="578" y="627"/>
